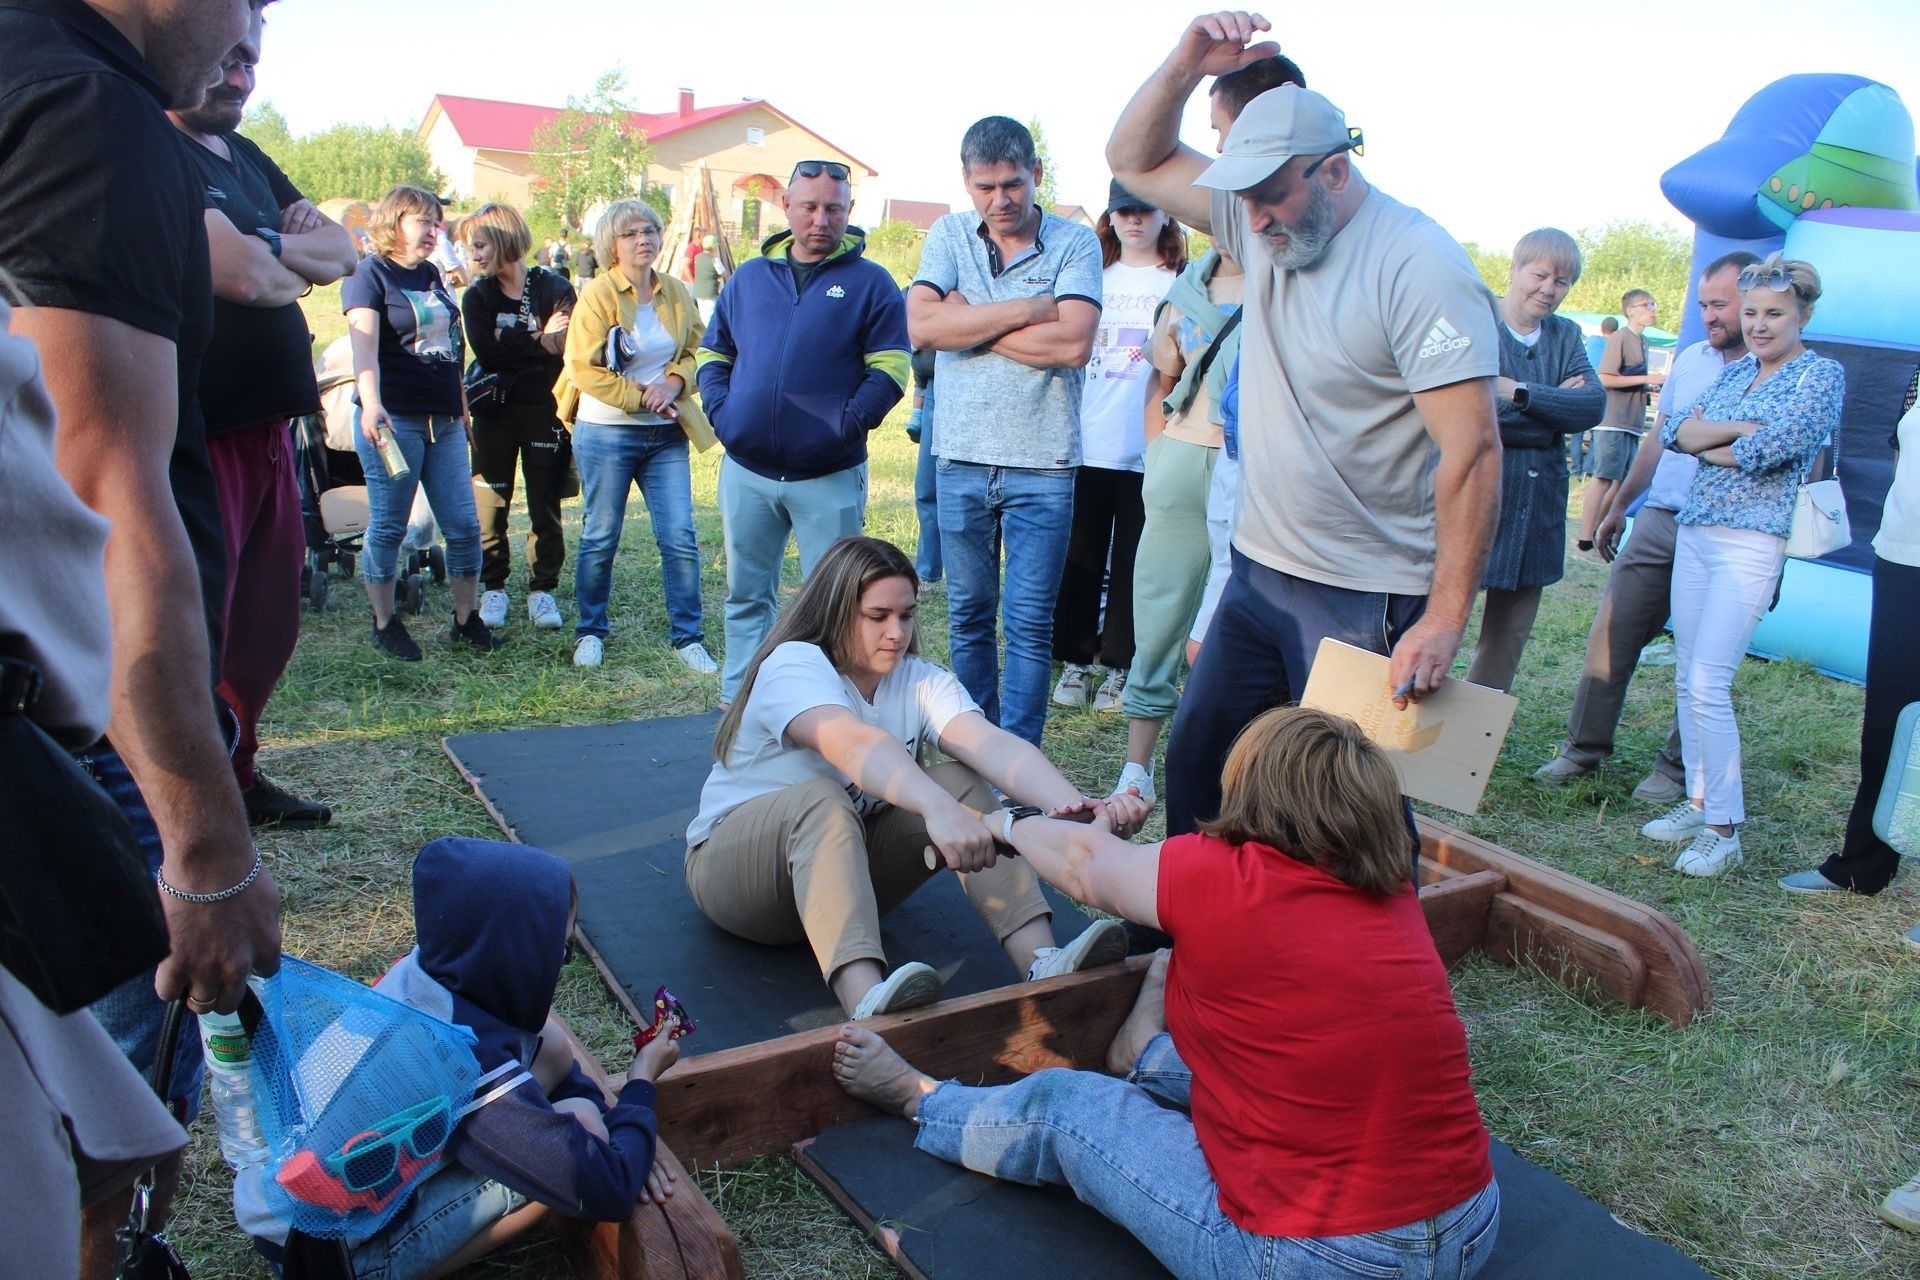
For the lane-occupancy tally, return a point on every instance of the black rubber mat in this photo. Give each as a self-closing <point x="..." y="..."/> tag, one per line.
<point x="942" y="1222"/>
<point x="614" y="800"/>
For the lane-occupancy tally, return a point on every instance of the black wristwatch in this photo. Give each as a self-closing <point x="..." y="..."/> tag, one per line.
<point x="272" y="238"/>
<point x="1521" y="395"/>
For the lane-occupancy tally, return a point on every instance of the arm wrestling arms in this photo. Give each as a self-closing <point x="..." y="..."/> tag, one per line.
<point x="1090" y="864"/>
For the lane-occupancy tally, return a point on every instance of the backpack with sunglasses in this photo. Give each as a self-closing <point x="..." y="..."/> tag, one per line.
<point x="357" y="1096"/>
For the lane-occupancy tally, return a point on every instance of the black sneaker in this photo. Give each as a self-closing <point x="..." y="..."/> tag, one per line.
<point x="394" y="641"/>
<point x="271" y="805"/>
<point x="476" y="633"/>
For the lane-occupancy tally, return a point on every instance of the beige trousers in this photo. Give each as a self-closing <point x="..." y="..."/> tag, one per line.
<point x="801" y="863"/>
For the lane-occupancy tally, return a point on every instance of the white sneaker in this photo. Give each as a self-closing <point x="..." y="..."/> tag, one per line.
<point x="587" y="652"/>
<point x="493" y="608"/>
<point x="543" y="611"/>
<point x="1102" y="942"/>
<point x="1677" y="825"/>
<point x="908" y="987"/>
<point x="1710" y="854"/>
<point x="1137" y="777"/>
<point x="1111" y="688"/>
<point x="1072" y="689"/>
<point x="698" y="660"/>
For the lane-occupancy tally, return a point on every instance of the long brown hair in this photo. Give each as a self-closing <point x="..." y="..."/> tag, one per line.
<point x="1172" y="244"/>
<point x="1312" y="785"/>
<point x="823" y="612"/>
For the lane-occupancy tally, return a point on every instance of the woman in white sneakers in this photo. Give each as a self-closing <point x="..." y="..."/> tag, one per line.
<point x="818" y="815"/>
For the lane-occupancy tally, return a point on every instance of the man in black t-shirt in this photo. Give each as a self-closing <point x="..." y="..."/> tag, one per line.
<point x="268" y="246"/>
<point x="101" y="230"/>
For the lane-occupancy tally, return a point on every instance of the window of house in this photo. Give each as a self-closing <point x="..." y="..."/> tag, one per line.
<point x="756" y="136"/>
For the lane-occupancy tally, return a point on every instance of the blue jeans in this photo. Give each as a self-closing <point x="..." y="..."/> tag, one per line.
<point x="437" y="460"/>
<point x="1031" y="513"/>
<point x="757" y="515"/>
<point x="610" y="460"/>
<point x="926" y="554"/>
<point x="447" y="1210"/>
<point x="1128" y="1148"/>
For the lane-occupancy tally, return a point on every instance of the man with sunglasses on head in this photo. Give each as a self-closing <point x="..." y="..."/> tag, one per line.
<point x="806" y="353"/>
<point x="1008" y="295"/>
<point x="1369" y="453"/>
<point x="268" y="246"/>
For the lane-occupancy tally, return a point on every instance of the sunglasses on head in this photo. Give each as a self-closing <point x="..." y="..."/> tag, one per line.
<point x="814" y="168"/>
<point x="369" y="1159"/>
<point x="1356" y="143"/>
<point x="1778" y="279"/>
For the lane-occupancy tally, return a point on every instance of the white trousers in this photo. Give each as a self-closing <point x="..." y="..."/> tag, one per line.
<point x="1723" y="581"/>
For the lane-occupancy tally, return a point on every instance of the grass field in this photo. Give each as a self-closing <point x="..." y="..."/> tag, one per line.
<point x="1758" y="1141"/>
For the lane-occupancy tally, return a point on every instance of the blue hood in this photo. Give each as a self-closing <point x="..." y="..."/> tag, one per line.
<point x="491" y="920"/>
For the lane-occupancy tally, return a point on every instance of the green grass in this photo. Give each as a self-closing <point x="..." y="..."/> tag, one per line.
<point x="1758" y="1141"/>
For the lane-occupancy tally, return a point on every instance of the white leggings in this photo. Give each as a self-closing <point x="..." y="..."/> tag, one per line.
<point x="1723" y="581"/>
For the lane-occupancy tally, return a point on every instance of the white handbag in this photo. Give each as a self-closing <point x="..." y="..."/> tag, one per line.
<point x="1820" y="525"/>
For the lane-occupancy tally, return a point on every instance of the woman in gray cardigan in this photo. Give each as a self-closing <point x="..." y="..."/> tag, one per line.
<point x="1547" y="391"/>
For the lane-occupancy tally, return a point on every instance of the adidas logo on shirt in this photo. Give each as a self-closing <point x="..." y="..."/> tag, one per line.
<point x="836" y="292"/>
<point x="1443" y="338"/>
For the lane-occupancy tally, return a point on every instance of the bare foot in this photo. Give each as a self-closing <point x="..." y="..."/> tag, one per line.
<point x="868" y="1068"/>
<point x="1148" y="1019"/>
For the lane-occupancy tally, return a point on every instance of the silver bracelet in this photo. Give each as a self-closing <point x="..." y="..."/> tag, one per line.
<point x="205" y="898"/>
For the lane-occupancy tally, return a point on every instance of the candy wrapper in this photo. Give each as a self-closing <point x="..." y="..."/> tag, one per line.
<point x="666" y="1005"/>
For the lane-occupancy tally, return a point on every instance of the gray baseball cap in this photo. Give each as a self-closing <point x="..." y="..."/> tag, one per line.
<point x="1274" y="128"/>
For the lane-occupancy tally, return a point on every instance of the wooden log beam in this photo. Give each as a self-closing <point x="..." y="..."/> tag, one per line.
<point x="1457" y="910"/>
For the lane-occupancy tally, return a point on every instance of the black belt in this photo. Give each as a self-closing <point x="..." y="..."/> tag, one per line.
<point x="20" y="684"/>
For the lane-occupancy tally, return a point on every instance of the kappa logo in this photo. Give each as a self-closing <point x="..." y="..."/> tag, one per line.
<point x="836" y="292"/>
<point x="1443" y="338"/>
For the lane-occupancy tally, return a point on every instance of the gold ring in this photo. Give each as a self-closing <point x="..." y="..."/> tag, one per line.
<point x="194" y="1002"/>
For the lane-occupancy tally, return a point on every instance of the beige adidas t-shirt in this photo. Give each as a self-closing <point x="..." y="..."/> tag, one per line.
<point x="1336" y="468"/>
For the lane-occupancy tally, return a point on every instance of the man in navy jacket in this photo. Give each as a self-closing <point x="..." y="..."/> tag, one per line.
<point x="806" y="354"/>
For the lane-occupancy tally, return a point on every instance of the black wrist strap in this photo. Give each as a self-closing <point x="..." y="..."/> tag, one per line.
<point x="20" y="684"/>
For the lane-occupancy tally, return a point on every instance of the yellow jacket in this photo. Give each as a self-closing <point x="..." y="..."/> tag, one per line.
<point x="610" y="299"/>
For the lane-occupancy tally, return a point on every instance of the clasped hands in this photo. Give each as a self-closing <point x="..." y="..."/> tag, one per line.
<point x="966" y="839"/>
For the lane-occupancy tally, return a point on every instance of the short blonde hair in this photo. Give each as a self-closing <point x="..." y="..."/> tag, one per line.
<point x="1550" y="245"/>
<point x="383" y="227"/>
<point x="1801" y="275"/>
<point x="503" y="230"/>
<point x="1312" y="785"/>
<point x="620" y="215"/>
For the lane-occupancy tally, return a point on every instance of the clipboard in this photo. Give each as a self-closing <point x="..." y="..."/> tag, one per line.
<point x="1443" y="746"/>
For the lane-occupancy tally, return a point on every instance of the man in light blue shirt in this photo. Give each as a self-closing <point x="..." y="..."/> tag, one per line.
<point x="1636" y="604"/>
<point x="1008" y="295"/>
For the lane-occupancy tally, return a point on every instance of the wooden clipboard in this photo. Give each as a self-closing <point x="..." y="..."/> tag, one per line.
<point x="1443" y="746"/>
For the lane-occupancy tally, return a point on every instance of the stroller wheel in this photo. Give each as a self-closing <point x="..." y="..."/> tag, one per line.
<point x="317" y="590"/>
<point x="437" y="563"/>
<point x="416" y="593"/>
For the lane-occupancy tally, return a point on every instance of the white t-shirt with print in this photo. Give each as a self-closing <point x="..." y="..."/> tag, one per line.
<point x="914" y="704"/>
<point x="1113" y="432"/>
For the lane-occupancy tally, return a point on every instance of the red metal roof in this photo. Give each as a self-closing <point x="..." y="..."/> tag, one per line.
<point x="921" y="213"/>
<point x="510" y="126"/>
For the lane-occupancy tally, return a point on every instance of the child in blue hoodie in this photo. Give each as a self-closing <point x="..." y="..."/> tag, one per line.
<point x="493" y="921"/>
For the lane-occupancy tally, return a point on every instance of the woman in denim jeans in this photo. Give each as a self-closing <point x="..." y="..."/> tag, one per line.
<point x="407" y="351"/>
<point x="625" y="390"/>
<point x="1294" y="1099"/>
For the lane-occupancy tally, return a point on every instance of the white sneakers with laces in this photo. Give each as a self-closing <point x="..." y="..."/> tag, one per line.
<point x="1111" y="689"/>
<point x="1071" y="691"/>
<point x="911" y="985"/>
<point x="698" y="660"/>
<point x="1710" y="854"/>
<point x="1102" y="942"/>
<point x="588" y="651"/>
<point x="1677" y="825"/>
<point x="543" y="611"/>
<point x="1136" y="776"/>
<point x="493" y="608"/>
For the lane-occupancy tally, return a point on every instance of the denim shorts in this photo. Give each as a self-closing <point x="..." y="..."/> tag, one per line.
<point x="444" y="1212"/>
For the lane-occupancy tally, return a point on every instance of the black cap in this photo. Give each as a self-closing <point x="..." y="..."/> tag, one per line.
<point x="1118" y="197"/>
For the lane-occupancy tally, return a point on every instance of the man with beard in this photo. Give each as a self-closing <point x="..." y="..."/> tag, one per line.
<point x="1370" y="460"/>
<point x="1635" y="607"/>
<point x="268" y="245"/>
<point x="101" y="230"/>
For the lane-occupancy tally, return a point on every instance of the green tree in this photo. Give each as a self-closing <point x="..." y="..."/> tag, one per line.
<point x="895" y="245"/>
<point x="1633" y="255"/>
<point x="1049" y="194"/>
<point x="354" y="160"/>
<point x="267" y="128"/>
<point x="589" y="154"/>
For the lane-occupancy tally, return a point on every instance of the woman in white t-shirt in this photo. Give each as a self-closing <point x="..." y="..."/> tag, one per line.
<point x="818" y="815"/>
<point x="1144" y="252"/>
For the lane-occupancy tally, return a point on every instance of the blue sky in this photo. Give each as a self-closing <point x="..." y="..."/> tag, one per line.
<point x="1493" y="116"/>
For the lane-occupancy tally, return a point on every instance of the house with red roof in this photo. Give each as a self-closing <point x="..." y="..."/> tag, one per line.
<point x="485" y="149"/>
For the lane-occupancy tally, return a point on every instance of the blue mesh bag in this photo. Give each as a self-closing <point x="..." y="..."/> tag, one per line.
<point x="357" y="1096"/>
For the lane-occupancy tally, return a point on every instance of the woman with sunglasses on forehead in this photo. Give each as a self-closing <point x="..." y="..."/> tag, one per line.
<point x="626" y="392"/>
<point x="1756" y="432"/>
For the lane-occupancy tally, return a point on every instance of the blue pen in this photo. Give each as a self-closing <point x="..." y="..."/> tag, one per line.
<point x="1403" y="690"/>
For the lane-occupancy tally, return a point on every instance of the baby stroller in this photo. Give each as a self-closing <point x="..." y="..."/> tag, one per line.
<point x="333" y="496"/>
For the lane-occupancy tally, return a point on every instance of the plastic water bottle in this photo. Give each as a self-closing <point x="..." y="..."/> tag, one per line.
<point x="229" y="1054"/>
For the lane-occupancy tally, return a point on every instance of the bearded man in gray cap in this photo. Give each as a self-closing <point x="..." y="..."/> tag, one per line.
<point x="1370" y="459"/>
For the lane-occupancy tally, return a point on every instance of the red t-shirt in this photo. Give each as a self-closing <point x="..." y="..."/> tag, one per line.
<point x="1331" y="1089"/>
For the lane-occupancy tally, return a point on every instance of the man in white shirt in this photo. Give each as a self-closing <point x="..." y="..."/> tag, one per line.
<point x="1636" y="604"/>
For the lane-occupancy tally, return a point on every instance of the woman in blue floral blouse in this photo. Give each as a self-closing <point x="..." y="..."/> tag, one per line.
<point x="1756" y="432"/>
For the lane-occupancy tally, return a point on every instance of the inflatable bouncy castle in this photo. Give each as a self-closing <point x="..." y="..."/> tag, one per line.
<point x="1822" y="167"/>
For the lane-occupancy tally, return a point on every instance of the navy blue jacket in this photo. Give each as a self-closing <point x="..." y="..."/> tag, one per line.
<point x="793" y="381"/>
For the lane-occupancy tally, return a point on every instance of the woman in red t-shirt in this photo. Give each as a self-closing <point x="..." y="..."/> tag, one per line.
<point x="1296" y="1099"/>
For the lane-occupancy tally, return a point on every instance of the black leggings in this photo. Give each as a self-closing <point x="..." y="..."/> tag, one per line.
<point x="1865" y="862"/>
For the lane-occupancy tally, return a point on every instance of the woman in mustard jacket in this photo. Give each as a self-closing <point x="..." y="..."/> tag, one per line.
<point x="626" y="391"/>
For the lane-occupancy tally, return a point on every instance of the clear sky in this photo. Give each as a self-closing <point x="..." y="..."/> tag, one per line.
<point x="1494" y="116"/>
